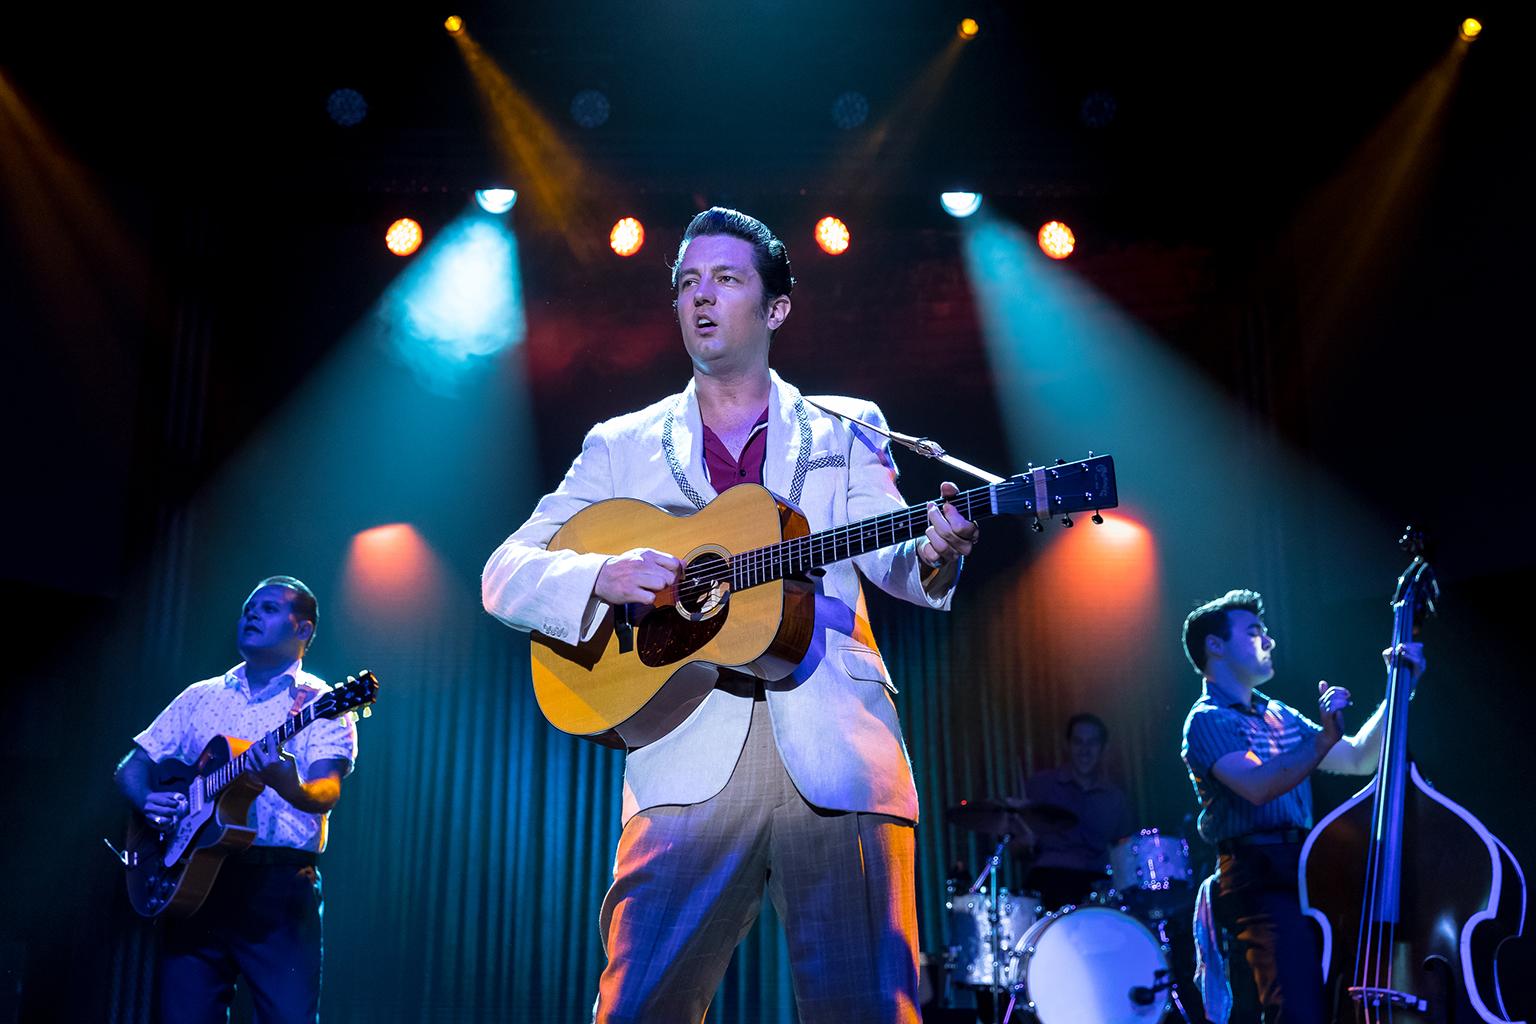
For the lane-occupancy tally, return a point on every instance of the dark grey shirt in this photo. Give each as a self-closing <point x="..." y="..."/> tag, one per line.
<point x="1102" y="817"/>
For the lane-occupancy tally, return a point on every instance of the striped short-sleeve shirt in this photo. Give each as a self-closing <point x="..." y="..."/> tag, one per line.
<point x="1266" y="728"/>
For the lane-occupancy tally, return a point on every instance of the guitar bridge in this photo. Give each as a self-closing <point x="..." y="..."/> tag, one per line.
<point x="1370" y="995"/>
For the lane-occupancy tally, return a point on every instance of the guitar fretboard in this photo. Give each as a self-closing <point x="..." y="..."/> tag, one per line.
<point x="801" y="554"/>
<point x="1042" y="492"/>
<point x="214" y="782"/>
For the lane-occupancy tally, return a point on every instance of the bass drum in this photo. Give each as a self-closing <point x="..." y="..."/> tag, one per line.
<point x="1089" y="965"/>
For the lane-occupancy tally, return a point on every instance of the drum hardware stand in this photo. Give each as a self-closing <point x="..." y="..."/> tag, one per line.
<point x="994" y="912"/>
<point x="1168" y="983"/>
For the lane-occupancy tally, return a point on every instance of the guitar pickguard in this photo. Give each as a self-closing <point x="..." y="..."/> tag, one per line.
<point x="664" y="637"/>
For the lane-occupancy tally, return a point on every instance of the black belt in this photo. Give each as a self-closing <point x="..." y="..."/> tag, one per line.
<point x="273" y="855"/>
<point x="1286" y="835"/>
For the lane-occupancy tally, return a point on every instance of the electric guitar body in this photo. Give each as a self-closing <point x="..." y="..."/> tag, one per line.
<point x="211" y="831"/>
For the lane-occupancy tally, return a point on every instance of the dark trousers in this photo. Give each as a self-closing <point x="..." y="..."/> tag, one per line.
<point x="260" y="922"/>
<point x="1257" y="904"/>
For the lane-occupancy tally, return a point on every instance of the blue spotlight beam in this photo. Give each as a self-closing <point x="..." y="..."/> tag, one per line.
<point x="1073" y="372"/>
<point x="460" y="301"/>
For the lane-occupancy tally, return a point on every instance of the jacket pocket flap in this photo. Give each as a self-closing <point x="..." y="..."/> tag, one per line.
<point x="862" y="663"/>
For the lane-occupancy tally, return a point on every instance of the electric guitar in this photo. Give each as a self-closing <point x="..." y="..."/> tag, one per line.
<point x="743" y="599"/>
<point x="171" y="871"/>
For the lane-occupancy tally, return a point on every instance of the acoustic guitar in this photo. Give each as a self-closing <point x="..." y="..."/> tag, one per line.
<point x="171" y="872"/>
<point x="744" y="599"/>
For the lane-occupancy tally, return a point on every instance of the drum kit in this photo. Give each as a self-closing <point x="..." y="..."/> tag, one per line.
<point x="1102" y="961"/>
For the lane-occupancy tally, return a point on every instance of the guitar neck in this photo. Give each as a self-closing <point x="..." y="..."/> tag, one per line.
<point x="802" y="554"/>
<point x="217" y="781"/>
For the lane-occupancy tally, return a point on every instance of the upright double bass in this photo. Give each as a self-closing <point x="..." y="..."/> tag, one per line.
<point x="1414" y="895"/>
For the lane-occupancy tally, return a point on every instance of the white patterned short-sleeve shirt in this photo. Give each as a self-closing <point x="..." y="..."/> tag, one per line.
<point x="223" y="706"/>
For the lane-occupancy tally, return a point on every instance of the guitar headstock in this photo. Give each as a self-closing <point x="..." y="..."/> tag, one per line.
<point x="1417" y="583"/>
<point x="1086" y="485"/>
<point x="359" y="691"/>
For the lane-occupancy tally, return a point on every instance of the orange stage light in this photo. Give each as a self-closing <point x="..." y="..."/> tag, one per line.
<point x="1057" y="240"/>
<point x="403" y="237"/>
<point x="1471" y="29"/>
<point x="392" y="577"/>
<point x="969" y="28"/>
<point x="627" y="236"/>
<point x="832" y="235"/>
<point x="454" y="24"/>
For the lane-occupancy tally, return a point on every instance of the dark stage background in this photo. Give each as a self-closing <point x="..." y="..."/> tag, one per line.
<point x="1295" y="317"/>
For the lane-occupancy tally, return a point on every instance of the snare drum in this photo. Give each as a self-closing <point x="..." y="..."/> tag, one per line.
<point x="1087" y="965"/>
<point x="970" y="933"/>
<point x="1151" y="872"/>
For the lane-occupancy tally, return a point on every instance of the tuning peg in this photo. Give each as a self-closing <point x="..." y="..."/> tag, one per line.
<point x="367" y="711"/>
<point x="1098" y="520"/>
<point x="1067" y="522"/>
<point x="1034" y="524"/>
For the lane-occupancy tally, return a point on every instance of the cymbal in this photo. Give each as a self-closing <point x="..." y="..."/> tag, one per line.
<point x="1010" y="815"/>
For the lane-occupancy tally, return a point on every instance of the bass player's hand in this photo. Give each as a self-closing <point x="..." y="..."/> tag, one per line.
<point x="636" y="576"/>
<point x="1331" y="702"/>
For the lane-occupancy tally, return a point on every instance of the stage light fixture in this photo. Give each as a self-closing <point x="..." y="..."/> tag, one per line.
<point x="969" y="28"/>
<point x="627" y="236"/>
<point x="454" y="24"/>
<point x="496" y="200"/>
<point x="346" y="107"/>
<point x="1471" y="29"/>
<point x="850" y="110"/>
<point x="1097" y="109"/>
<point x="1057" y="240"/>
<point x="590" y="108"/>
<point x="832" y="235"/>
<point x="960" y="204"/>
<point x="403" y="237"/>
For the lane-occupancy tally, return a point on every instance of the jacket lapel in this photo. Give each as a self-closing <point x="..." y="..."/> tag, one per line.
<point x="789" y="441"/>
<point x="683" y="442"/>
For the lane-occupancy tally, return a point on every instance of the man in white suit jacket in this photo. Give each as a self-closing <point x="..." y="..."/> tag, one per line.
<point x="800" y="786"/>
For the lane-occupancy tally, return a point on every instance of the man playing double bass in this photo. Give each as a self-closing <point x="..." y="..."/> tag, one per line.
<point x="1250" y="758"/>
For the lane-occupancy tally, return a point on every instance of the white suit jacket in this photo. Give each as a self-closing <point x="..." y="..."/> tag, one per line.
<point x="833" y="719"/>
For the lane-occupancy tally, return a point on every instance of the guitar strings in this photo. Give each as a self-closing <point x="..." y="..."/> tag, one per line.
<point x="1376" y="939"/>
<point x="760" y="565"/>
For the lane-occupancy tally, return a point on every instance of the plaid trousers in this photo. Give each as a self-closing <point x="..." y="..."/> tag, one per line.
<point x="688" y="883"/>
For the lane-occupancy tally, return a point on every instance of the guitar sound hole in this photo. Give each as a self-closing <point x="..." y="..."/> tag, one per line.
<point x="705" y="584"/>
<point x="667" y="636"/>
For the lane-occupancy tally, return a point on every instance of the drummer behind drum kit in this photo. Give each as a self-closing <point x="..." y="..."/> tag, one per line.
<point x="1101" y="962"/>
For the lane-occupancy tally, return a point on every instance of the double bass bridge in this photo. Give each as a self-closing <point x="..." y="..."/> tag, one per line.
<point x="1371" y="995"/>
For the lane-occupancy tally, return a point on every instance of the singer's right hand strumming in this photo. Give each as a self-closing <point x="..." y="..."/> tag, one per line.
<point x="635" y="577"/>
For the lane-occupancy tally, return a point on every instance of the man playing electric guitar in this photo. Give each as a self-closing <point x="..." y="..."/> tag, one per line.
<point x="262" y="917"/>
<point x="799" y="785"/>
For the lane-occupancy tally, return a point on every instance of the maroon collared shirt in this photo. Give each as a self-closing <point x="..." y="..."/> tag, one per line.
<point x="726" y="471"/>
